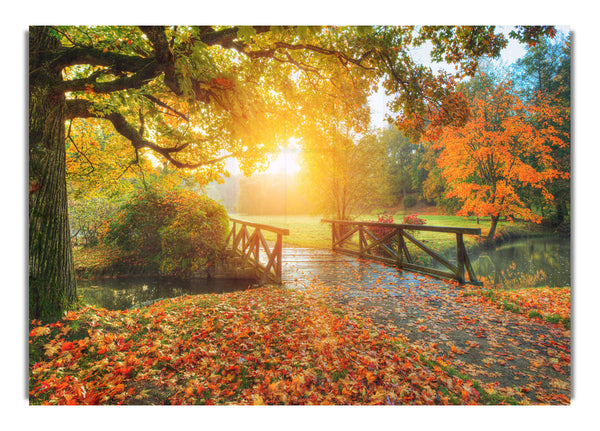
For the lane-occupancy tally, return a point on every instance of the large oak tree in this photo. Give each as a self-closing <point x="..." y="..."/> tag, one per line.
<point x="194" y="96"/>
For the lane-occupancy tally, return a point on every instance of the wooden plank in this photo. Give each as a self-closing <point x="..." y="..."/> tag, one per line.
<point x="278" y="252"/>
<point x="274" y="229"/>
<point x="271" y="257"/>
<point x="447" y="229"/>
<point x="362" y="241"/>
<point x="347" y="251"/>
<point x="239" y="238"/>
<point x="430" y="252"/>
<point x="429" y="271"/>
<point x="346" y="236"/>
<point x="249" y="249"/>
<point x="470" y="272"/>
<point x="405" y="251"/>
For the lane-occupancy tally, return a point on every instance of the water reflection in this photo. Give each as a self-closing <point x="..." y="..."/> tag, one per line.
<point x="123" y="293"/>
<point x="527" y="262"/>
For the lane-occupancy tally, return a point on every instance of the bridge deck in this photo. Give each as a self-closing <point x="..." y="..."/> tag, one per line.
<point x="500" y="348"/>
<point x="304" y="266"/>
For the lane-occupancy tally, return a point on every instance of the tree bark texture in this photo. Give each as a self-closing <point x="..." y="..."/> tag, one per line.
<point x="52" y="285"/>
<point x="494" y="224"/>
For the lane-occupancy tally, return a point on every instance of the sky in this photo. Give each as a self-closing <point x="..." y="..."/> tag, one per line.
<point x="513" y="51"/>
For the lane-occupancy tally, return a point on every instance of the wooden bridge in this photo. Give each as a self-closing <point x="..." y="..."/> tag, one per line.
<point x="248" y="246"/>
<point x="389" y="243"/>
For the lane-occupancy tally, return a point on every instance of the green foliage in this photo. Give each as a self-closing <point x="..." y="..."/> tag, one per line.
<point x="171" y="232"/>
<point x="345" y="174"/>
<point x="87" y="217"/>
<point x="409" y="201"/>
<point x="545" y="71"/>
<point x="406" y="163"/>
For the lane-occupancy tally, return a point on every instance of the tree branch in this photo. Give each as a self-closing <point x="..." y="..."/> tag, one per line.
<point x="138" y="80"/>
<point x="80" y="108"/>
<point x="269" y="53"/>
<point x="164" y="55"/>
<point x="97" y="57"/>
<point x="164" y="105"/>
<point x="79" y="151"/>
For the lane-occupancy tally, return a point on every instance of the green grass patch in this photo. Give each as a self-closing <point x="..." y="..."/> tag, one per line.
<point x="309" y="231"/>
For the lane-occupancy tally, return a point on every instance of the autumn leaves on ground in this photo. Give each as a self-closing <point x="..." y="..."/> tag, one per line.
<point x="260" y="346"/>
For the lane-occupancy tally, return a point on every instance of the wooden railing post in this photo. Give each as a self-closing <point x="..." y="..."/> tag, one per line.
<point x="333" y="236"/>
<point x="399" y="246"/>
<point x="362" y="241"/>
<point x="248" y="248"/>
<point x="233" y="235"/>
<point x="256" y="246"/>
<point x="278" y="251"/>
<point x="460" y="258"/>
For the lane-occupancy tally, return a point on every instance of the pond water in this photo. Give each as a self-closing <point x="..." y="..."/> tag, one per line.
<point x="527" y="262"/>
<point x="124" y="293"/>
<point x="523" y="263"/>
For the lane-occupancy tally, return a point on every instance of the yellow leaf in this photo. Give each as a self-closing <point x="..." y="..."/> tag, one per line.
<point x="40" y="330"/>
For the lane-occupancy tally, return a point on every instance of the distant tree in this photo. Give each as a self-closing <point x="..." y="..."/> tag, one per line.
<point x="401" y="161"/>
<point x="488" y="161"/>
<point x="544" y="72"/>
<point x="345" y="175"/>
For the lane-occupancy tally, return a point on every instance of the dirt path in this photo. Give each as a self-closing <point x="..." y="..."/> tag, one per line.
<point x="507" y="353"/>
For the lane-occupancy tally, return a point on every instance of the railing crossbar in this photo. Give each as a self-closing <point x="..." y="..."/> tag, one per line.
<point x="430" y="252"/>
<point x="379" y="242"/>
<point x="368" y="242"/>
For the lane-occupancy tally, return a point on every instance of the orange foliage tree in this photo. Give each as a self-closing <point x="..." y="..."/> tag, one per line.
<point x="505" y="148"/>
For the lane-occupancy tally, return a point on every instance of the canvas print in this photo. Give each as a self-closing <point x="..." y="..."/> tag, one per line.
<point x="299" y="215"/>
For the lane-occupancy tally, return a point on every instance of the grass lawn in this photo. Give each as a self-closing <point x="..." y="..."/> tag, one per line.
<point x="305" y="231"/>
<point x="309" y="231"/>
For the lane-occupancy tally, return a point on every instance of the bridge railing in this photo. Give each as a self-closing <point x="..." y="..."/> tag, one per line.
<point x="388" y="243"/>
<point x="246" y="241"/>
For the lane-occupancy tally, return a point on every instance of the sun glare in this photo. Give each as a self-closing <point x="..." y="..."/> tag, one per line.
<point x="287" y="162"/>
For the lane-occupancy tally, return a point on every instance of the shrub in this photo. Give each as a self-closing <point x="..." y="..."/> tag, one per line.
<point x="409" y="201"/>
<point x="169" y="232"/>
<point x="413" y="219"/>
<point x="87" y="216"/>
<point x="380" y="232"/>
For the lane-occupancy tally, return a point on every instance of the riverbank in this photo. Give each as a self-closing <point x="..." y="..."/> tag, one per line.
<point x="308" y="231"/>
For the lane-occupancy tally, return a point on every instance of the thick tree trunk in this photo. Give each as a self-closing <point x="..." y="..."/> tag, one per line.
<point x="493" y="226"/>
<point x="52" y="287"/>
